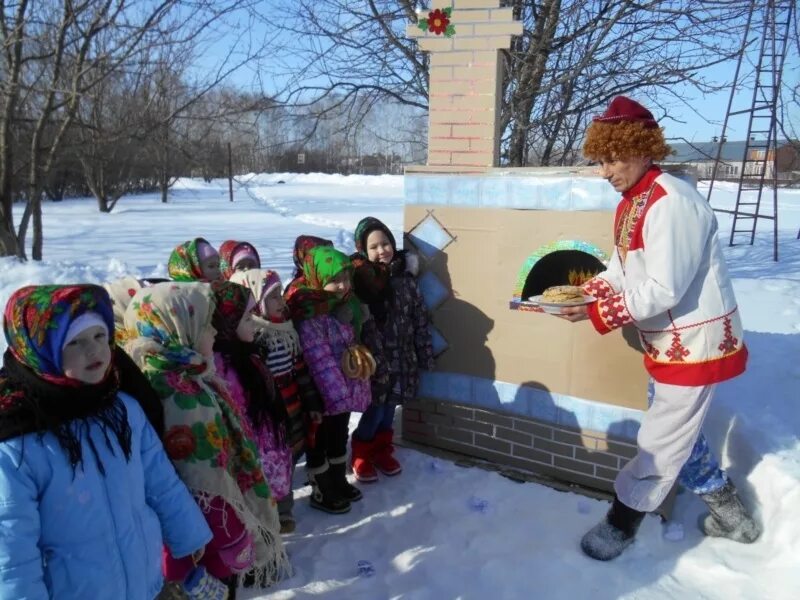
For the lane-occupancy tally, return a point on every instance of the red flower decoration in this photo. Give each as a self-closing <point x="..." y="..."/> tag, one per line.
<point x="438" y="21"/>
<point x="179" y="442"/>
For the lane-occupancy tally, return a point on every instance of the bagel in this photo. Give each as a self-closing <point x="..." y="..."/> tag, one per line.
<point x="368" y="360"/>
<point x="373" y="365"/>
<point x="361" y="364"/>
<point x="349" y="367"/>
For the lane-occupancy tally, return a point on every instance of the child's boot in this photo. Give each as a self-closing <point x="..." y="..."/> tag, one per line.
<point x="728" y="518"/>
<point x="338" y="470"/>
<point x="288" y="523"/>
<point x="383" y="456"/>
<point x="361" y="460"/>
<point x="324" y="495"/>
<point x="614" y="533"/>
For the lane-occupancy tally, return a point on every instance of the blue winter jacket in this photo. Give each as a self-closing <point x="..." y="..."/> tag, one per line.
<point x="93" y="537"/>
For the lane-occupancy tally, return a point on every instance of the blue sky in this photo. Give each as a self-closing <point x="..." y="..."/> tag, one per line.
<point x="712" y="108"/>
<point x="697" y="118"/>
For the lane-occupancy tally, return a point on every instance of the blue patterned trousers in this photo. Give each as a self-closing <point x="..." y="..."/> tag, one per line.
<point x="701" y="474"/>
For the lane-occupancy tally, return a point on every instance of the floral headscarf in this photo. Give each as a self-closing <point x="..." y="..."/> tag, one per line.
<point x="231" y="301"/>
<point x="307" y="298"/>
<point x="276" y="334"/>
<point x="227" y="252"/>
<point x="37" y="318"/>
<point x="302" y="245"/>
<point x="184" y="262"/>
<point x="121" y="292"/>
<point x="35" y="395"/>
<point x="207" y="438"/>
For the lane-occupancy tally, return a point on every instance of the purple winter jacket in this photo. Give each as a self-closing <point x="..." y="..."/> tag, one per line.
<point x="324" y="339"/>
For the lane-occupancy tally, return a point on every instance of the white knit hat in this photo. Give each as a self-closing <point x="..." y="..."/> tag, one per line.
<point x="81" y="324"/>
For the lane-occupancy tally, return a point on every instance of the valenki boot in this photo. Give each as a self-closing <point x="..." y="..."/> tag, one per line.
<point x="338" y="470"/>
<point x="728" y="517"/>
<point x="614" y="533"/>
<point x="324" y="495"/>
<point x="361" y="454"/>
<point x="383" y="456"/>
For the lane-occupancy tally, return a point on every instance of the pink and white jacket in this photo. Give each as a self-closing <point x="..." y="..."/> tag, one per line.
<point x="667" y="276"/>
<point x="274" y="450"/>
<point x="324" y="340"/>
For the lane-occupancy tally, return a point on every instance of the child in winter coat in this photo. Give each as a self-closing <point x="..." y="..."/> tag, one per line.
<point x="237" y="256"/>
<point x="250" y="384"/>
<point x="329" y="320"/>
<point x="207" y="436"/>
<point x="279" y="346"/>
<point x="387" y="283"/>
<point x="87" y="490"/>
<point x="194" y="260"/>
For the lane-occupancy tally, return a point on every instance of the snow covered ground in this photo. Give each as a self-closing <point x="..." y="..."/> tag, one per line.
<point x="440" y="531"/>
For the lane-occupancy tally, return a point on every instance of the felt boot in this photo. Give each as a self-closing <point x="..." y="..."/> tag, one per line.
<point x="614" y="533"/>
<point x="383" y="456"/>
<point x="728" y="517"/>
<point x="361" y="460"/>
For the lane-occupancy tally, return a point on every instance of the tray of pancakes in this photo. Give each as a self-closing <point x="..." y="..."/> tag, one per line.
<point x="553" y="299"/>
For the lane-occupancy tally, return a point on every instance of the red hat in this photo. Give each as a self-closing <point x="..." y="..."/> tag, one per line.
<point x="625" y="109"/>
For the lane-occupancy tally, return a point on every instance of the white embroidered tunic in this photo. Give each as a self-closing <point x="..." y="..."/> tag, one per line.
<point x="667" y="276"/>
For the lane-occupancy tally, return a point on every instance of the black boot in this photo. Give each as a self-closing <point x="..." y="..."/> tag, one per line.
<point x="324" y="494"/>
<point x="233" y="584"/>
<point x="338" y="471"/>
<point x="614" y="533"/>
<point x="728" y="517"/>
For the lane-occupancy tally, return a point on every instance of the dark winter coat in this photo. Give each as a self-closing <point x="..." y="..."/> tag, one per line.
<point x="402" y="321"/>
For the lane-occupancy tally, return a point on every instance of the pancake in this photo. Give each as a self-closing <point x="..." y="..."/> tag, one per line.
<point x="563" y="293"/>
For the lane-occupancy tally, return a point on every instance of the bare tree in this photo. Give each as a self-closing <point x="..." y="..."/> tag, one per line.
<point x="572" y="58"/>
<point x="109" y="136"/>
<point x="575" y="56"/>
<point x="54" y="53"/>
<point x="48" y="49"/>
<point x="340" y="56"/>
<point x="789" y="118"/>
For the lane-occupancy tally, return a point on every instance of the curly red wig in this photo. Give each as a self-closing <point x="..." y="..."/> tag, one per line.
<point x="624" y="140"/>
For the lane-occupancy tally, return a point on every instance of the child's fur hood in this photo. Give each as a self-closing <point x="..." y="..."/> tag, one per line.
<point x="406" y="262"/>
<point x="412" y="263"/>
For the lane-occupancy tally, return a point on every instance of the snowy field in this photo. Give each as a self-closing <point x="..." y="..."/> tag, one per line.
<point x="440" y="531"/>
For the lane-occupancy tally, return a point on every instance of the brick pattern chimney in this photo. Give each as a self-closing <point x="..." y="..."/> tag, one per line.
<point x="465" y="82"/>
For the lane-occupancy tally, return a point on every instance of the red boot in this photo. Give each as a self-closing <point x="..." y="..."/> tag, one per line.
<point x="361" y="460"/>
<point x="384" y="458"/>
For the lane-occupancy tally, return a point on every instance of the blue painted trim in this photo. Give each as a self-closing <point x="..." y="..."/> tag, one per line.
<point x="529" y="192"/>
<point x="552" y="408"/>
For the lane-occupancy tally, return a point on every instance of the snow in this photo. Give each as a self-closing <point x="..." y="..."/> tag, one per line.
<point x="440" y="530"/>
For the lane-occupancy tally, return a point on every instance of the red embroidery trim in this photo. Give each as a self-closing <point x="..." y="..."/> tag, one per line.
<point x="690" y="326"/>
<point x="677" y="352"/>
<point x="729" y="341"/>
<point x="613" y="311"/>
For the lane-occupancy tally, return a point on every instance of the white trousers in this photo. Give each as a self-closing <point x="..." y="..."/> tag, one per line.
<point x="666" y="436"/>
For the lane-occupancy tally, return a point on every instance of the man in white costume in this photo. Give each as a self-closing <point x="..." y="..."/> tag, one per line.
<point x="667" y="276"/>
